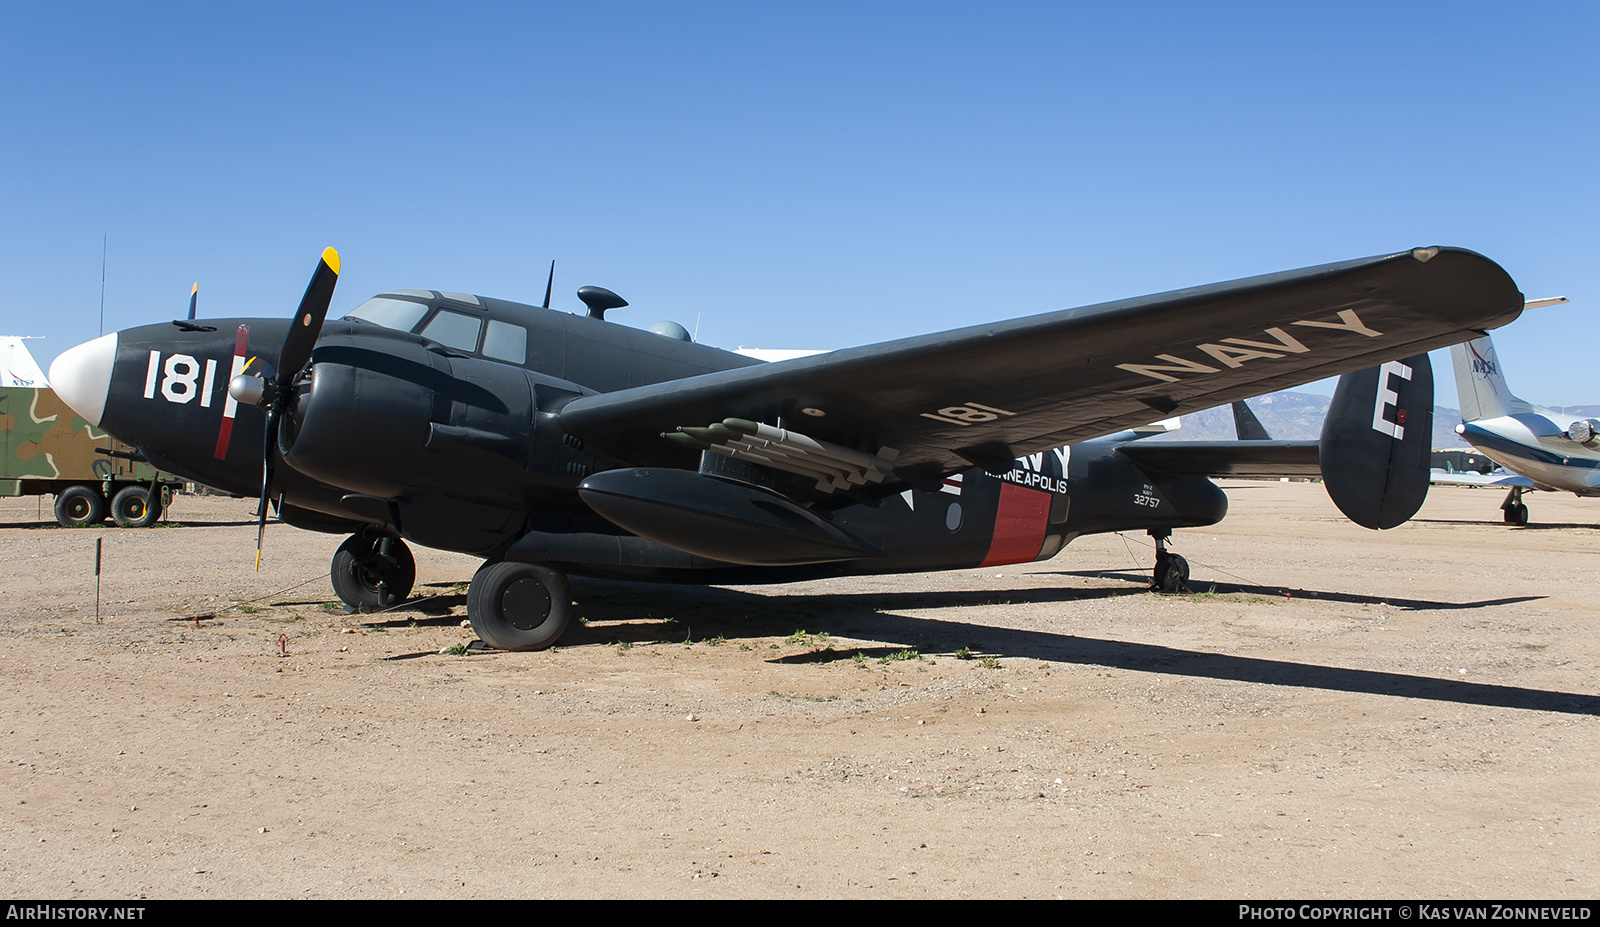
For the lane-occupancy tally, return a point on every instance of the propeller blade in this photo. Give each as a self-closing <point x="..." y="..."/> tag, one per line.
<point x="548" y="284"/>
<point x="269" y="438"/>
<point x="292" y="359"/>
<point x="194" y="296"/>
<point x="308" y="318"/>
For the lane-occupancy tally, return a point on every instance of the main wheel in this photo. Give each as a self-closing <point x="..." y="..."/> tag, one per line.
<point x="519" y="606"/>
<point x="1176" y="577"/>
<point x="1517" y="515"/>
<point x="132" y="508"/>
<point x="366" y="579"/>
<point x="80" y="505"/>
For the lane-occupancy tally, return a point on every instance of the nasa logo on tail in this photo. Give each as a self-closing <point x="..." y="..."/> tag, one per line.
<point x="1486" y="368"/>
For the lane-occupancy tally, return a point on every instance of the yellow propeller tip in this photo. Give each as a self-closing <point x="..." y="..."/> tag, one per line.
<point x="194" y="289"/>
<point x="330" y="257"/>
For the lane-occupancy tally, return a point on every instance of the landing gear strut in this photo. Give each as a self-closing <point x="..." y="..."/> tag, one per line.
<point x="372" y="571"/>
<point x="1172" y="571"/>
<point x="1516" y="512"/>
<point x="519" y="606"/>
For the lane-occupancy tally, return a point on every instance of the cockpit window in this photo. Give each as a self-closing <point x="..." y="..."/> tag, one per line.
<point x="454" y="330"/>
<point x="506" y="341"/>
<point x="398" y="314"/>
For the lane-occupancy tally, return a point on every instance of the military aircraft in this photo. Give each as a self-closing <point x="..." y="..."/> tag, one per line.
<point x="551" y="443"/>
<point x="1545" y="449"/>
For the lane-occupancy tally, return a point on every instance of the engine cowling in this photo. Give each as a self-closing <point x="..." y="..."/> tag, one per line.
<point x="396" y="424"/>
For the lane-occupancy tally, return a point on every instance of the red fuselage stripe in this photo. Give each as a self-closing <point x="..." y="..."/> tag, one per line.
<point x="240" y="345"/>
<point x="1019" y="525"/>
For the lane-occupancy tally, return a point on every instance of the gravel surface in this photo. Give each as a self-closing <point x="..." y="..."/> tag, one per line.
<point x="1335" y="712"/>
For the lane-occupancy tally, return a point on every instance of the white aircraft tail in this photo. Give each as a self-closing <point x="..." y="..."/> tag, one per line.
<point x="1480" y="384"/>
<point x="17" y="366"/>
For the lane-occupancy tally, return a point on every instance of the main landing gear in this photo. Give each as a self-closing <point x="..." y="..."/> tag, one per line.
<point x="1172" y="571"/>
<point x="372" y="571"/>
<point x="519" y="606"/>
<point x="1516" y="512"/>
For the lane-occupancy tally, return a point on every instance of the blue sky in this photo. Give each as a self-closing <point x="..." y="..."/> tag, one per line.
<point x="790" y="175"/>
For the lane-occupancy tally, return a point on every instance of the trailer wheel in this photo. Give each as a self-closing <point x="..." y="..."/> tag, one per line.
<point x="133" y="508"/>
<point x="80" y="505"/>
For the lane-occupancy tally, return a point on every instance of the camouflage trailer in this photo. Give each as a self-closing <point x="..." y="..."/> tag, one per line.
<point x="46" y="448"/>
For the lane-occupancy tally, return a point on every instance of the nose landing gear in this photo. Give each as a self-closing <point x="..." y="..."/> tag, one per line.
<point x="372" y="571"/>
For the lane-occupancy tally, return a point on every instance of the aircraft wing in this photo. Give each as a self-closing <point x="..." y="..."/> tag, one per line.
<point x="984" y="395"/>
<point x="1468" y="478"/>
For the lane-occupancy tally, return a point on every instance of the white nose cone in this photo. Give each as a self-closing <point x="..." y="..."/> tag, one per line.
<point x="81" y="376"/>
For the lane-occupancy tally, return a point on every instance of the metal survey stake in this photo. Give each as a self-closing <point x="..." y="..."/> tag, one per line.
<point x="99" y="544"/>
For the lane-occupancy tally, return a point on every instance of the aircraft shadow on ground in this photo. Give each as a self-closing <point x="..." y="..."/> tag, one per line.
<point x="702" y="615"/>
<point x="1348" y="598"/>
<point x="1531" y="526"/>
<point x="421" y="610"/>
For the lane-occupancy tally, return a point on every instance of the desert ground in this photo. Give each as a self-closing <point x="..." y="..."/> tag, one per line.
<point x="1333" y="713"/>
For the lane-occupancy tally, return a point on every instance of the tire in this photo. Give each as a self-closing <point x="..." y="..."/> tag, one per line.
<point x="1519" y="515"/>
<point x="132" y="508"/>
<point x="519" y="606"/>
<point x="80" y="505"/>
<point x="367" y="582"/>
<point x="1176" y="578"/>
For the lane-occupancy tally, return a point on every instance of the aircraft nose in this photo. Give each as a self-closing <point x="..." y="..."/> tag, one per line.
<point x="81" y="376"/>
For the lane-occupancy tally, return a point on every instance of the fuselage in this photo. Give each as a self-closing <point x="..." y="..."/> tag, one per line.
<point x="433" y="416"/>
<point x="1534" y="443"/>
<point x="1522" y="437"/>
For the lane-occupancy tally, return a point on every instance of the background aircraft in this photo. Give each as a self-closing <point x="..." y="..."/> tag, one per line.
<point x="551" y="443"/>
<point x="1547" y="449"/>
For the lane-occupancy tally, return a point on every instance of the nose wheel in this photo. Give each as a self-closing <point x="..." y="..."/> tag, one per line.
<point x="519" y="606"/>
<point x="1171" y="573"/>
<point x="372" y="572"/>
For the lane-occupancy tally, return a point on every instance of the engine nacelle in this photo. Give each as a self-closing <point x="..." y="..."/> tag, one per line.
<point x="392" y="427"/>
<point x="1585" y="431"/>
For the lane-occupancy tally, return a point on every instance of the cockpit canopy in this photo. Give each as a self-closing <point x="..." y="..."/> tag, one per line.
<point x="455" y="320"/>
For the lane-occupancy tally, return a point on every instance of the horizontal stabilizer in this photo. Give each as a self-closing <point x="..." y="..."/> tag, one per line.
<point x="1244" y="459"/>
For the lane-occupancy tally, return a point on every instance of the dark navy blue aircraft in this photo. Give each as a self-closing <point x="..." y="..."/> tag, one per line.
<point x="551" y="443"/>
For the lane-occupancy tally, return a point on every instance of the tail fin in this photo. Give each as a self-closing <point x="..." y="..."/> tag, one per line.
<point x="1480" y="385"/>
<point x="1246" y="425"/>
<point x="1376" y="441"/>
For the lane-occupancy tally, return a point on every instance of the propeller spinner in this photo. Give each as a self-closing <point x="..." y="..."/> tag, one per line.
<point x="272" y="394"/>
